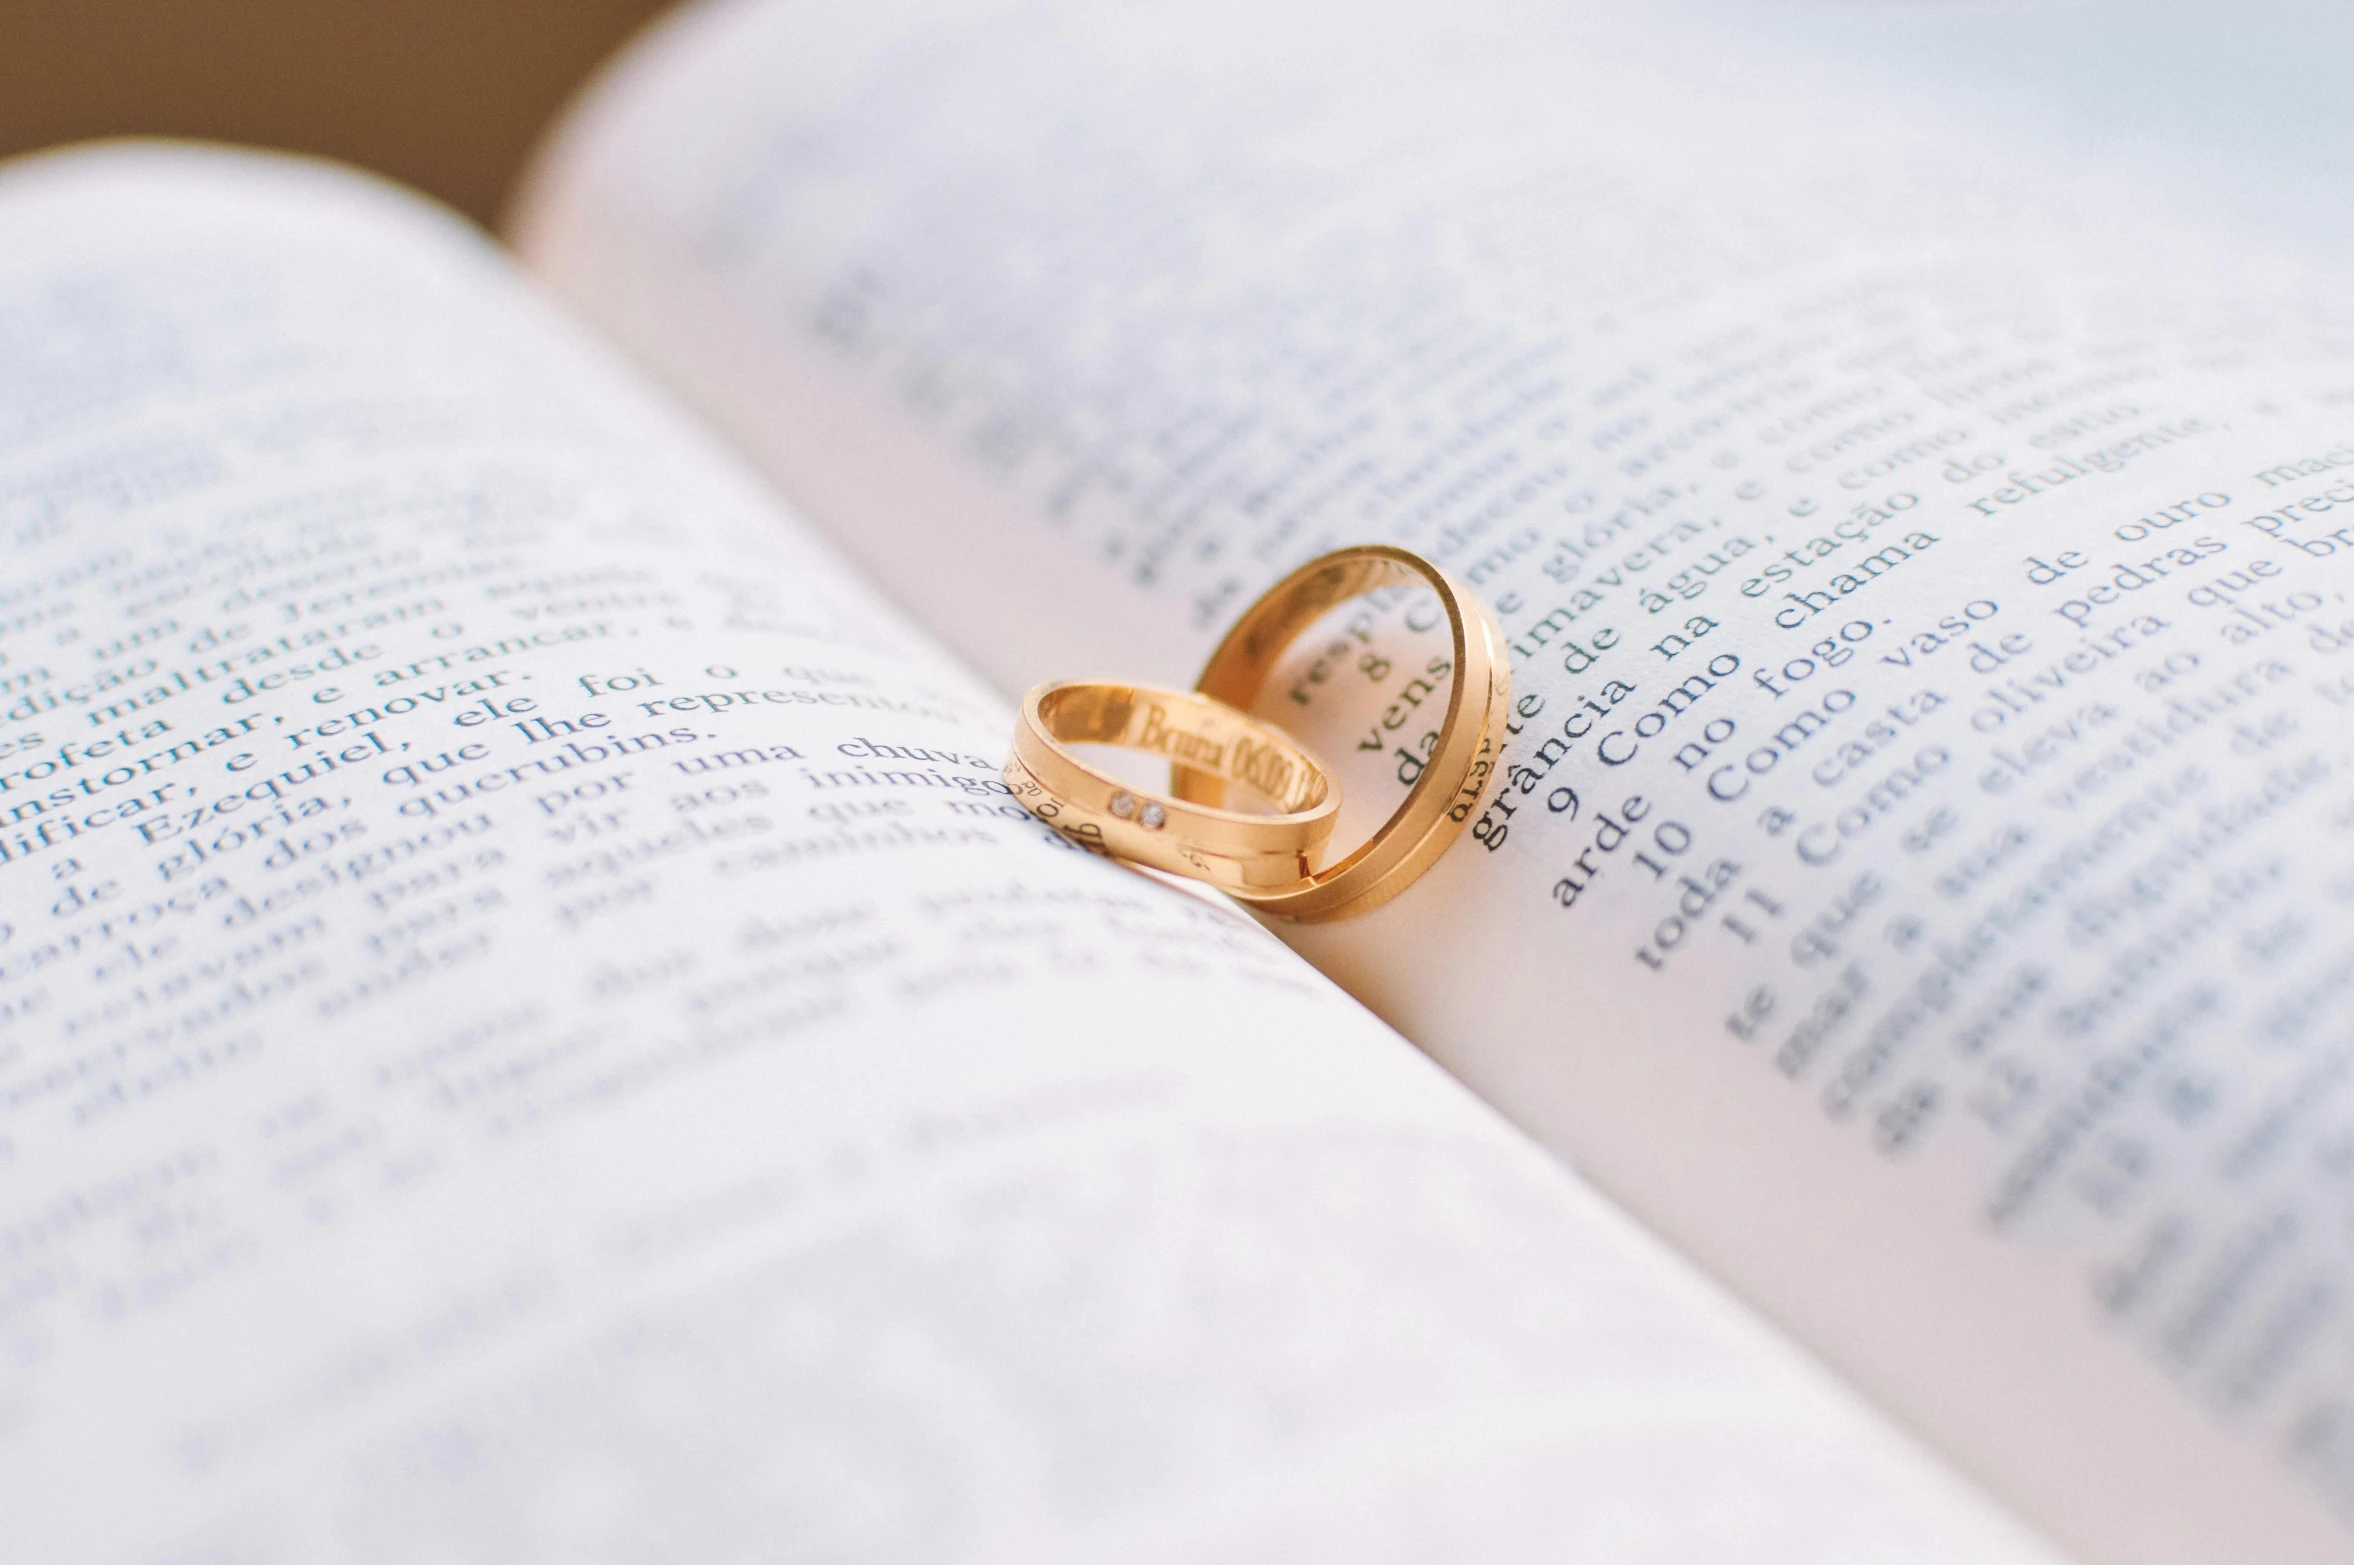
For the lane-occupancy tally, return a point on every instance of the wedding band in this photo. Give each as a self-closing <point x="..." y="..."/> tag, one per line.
<point x="1233" y="851"/>
<point x="1443" y="797"/>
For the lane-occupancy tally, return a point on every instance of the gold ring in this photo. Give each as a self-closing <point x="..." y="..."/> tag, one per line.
<point x="1231" y="850"/>
<point x="1442" y="799"/>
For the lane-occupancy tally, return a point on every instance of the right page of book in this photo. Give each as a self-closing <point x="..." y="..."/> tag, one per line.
<point x="1918" y="883"/>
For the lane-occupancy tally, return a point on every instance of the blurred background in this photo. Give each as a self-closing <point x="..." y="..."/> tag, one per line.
<point x="446" y="95"/>
<point x="2248" y="102"/>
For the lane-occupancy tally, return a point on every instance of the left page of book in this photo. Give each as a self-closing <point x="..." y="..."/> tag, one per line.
<point x="530" y="1030"/>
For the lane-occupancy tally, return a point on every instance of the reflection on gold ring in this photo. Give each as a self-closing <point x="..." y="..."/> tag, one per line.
<point x="1444" y="797"/>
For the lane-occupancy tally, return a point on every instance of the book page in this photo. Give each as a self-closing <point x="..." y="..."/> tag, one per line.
<point x="530" y="1028"/>
<point x="1918" y="881"/>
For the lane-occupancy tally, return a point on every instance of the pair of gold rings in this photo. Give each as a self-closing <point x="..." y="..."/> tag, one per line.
<point x="1273" y="862"/>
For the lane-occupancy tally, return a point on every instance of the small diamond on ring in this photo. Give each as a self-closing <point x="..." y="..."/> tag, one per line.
<point x="1154" y="817"/>
<point x="1124" y="805"/>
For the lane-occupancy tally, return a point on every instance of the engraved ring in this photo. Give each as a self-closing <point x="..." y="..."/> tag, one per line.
<point x="1237" y="852"/>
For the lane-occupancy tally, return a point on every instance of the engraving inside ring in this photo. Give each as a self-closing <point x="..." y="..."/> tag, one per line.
<point x="1195" y="733"/>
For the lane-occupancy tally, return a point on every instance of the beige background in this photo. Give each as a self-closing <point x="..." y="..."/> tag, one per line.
<point x="447" y="95"/>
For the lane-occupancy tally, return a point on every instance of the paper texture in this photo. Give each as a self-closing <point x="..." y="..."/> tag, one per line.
<point x="1918" y="883"/>
<point x="529" y="1029"/>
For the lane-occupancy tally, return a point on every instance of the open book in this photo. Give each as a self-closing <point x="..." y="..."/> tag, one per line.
<point x="530" y="1027"/>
